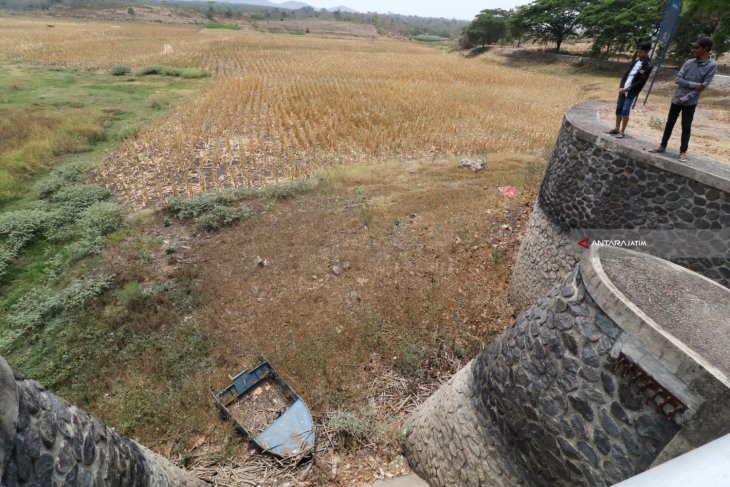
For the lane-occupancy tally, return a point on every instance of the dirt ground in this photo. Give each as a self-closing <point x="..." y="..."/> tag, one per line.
<point x="365" y="294"/>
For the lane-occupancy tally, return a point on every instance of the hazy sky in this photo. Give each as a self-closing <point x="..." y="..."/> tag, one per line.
<point x="459" y="9"/>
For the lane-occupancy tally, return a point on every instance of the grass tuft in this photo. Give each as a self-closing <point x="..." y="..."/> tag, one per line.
<point x="187" y="73"/>
<point x="120" y="70"/>
<point x="217" y="25"/>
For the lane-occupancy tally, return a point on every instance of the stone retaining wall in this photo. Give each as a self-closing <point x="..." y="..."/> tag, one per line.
<point x="603" y="188"/>
<point x="557" y="399"/>
<point x="44" y="441"/>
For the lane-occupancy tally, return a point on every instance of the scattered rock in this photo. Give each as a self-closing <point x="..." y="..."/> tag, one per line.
<point x="476" y="165"/>
<point x="336" y="269"/>
<point x="260" y="261"/>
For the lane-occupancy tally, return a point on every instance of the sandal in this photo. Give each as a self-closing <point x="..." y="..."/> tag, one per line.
<point x="612" y="131"/>
<point x="658" y="150"/>
<point x="683" y="157"/>
<point x="620" y="135"/>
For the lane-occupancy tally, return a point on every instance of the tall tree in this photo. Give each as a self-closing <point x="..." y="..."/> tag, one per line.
<point x="702" y="17"/>
<point x="618" y="25"/>
<point x="551" y="20"/>
<point x="488" y="27"/>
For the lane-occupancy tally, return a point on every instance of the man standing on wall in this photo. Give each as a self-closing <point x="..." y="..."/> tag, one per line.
<point x="695" y="75"/>
<point x="632" y="82"/>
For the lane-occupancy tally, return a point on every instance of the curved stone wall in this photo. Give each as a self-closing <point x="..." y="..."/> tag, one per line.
<point x="44" y="441"/>
<point x="584" y="388"/>
<point x="603" y="188"/>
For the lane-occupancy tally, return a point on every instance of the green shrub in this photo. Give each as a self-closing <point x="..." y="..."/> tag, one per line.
<point x="183" y="293"/>
<point x="349" y="427"/>
<point x="100" y="219"/>
<point x="283" y="191"/>
<point x="191" y="208"/>
<point x="429" y="38"/>
<point x="7" y="256"/>
<point x="90" y="245"/>
<point x="217" y="25"/>
<point x="149" y="70"/>
<point x="210" y="212"/>
<point x="409" y="358"/>
<point x="132" y="296"/>
<point x="39" y="306"/>
<point x="188" y="73"/>
<point x="120" y="70"/>
<point x="19" y="228"/>
<point x="58" y="178"/>
<point x="217" y="218"/>
<point x="72" y="199"/>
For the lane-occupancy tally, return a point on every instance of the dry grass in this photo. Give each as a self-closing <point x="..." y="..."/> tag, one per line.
<point x="278" y="112"/>
<point x="429" y="267"/>
<point x="282" y="108"/>
<point x="425" y="289"/>
<point x="30" y="139"/>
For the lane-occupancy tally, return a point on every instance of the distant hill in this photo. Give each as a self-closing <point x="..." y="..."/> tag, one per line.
<point x="342" y="9"/>
<point x="290" y="5"/>
<point x="267" y="3"/>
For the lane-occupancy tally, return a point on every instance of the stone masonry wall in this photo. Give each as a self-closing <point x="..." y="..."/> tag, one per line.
<point x="593" y="183"/>
<point x="544" y="395"/>
<point x="57" y="444"/>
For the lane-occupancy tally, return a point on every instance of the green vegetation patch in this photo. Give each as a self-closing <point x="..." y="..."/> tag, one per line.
<point x="185" y="73"/>
<point x="120" y="70"/>
<point x="216" y="25"/>
<point x="214" y="210"/>
<point x="66" y="318"/>
<point x="209" y="212"/>
<point x="47" y="113"/>
<point x="429" y="38"/>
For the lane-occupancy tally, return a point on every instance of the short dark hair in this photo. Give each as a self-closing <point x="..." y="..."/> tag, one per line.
<point x="644" y="46"/>
<point x="703" y="42"/>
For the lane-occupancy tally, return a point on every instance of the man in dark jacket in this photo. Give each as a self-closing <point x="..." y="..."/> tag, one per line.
<point x="631" y="84"/>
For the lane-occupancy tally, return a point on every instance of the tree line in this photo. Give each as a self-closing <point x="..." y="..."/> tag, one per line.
<point x="613" y="26"/>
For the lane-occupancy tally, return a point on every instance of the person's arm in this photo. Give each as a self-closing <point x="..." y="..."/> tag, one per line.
<point x="708" y="77"/>
<point x="685" y="83"/>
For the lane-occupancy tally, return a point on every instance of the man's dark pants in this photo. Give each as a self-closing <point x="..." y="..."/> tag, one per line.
<point x="688" y="113"/>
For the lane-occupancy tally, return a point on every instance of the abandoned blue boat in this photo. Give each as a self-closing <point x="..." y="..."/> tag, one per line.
<point x="268" y="412"/>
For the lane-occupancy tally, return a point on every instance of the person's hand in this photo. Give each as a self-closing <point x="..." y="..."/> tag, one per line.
<point x="680" y="101"/>
<point x="700" y="86"/>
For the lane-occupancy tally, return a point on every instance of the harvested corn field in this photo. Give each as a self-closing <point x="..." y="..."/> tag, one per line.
<point x="281" y="107"/>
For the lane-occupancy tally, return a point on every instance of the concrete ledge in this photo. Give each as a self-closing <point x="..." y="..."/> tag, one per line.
<point x="583" y="121"/>
<point x="682" y="337"/>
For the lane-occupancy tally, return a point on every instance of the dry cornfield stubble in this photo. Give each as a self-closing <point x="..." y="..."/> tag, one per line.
<point x="281" y="106"/>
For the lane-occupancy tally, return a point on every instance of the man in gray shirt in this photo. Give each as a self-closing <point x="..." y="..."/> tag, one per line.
<point x="694" y="77"/>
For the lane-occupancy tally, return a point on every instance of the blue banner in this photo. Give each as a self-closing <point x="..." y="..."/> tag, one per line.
<point x="669" y="22"/>
<point x="666" y="29"/>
